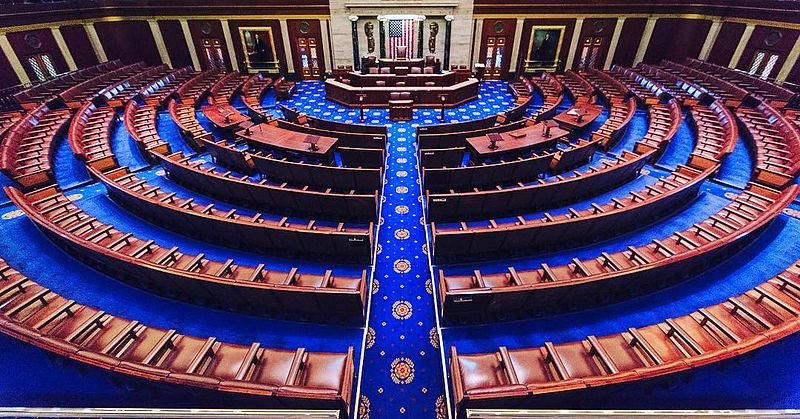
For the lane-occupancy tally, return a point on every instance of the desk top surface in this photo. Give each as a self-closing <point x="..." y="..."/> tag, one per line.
<point x="403" y="88"/>
<point x="570" y="118"/>
<point x="518" y="140"/>
<point x="276" y="137"/>
<point x="224" y="116"/>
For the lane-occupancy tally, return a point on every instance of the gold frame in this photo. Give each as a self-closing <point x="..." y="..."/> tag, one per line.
<point x="527" y="62"/>
<point x="249" y="69"/>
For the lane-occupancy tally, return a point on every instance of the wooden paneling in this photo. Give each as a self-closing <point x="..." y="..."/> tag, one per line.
<point x="729" y="35"/>
<point x="596" y="28"/>
<point x="280" y="54"/>
<point x="527" y="29"/>
<point x="676" y="39"/>
<point x="628" y="44"/>
<point x="498" y="28"/>
<point x="175" y="43"/>
<point x="34" y="42"/>
<point x="763" y="38"/>
<point x="130" y="41"/>
<point x="78" y="43"/>
<point x="314" y="31"/>
<point x="208" y="29"/>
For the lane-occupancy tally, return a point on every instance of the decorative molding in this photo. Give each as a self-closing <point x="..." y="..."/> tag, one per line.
<point x="324" y="30"/>
<point x="711" y="38"/>
<point x="476" y="43"/>
<point x="287" y="46"/>
<point x="5" y="46"/>
<point x="612" y="47"/>
<point x="160" y="45"/>
<point x="644" y="42"/>
<point x="226" y="33"/>
<point x="62" y="46"/>
<point x="517" y="41"/>
<point x="737" y="54"/>
<point x="790" y="62"/>
<point x="386" y="4"/>
<point x="187" y="34"/>
<point x="573" y="43"/>
<point x="94" y="39"/>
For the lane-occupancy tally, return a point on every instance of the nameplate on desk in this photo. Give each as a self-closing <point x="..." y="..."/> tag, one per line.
<point x="428" y="153"/>
<point x="439" y="199"/>
<point x="355" y="240"/>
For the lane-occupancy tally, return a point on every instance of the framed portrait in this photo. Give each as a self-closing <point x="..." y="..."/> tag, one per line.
<point x="544" y="48"/>
<point x="258" y="45"/>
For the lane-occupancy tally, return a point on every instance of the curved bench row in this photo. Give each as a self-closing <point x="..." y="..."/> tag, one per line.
<point x="573" y="228"/>
<point x="340" y="206"/>
<point x="688" y="94"/>
<point x="723" y="90"/>
<point x="516" y="378"/>
<point x="777" y="96"/>
<point x="75" y="96"/>
<point x="168" y="271"/>
<point x="777" y="144"/>
<point x="45" y="92"/>
<point x="253" y="90"/>
<point x="140" y="121"/>
<point x="297" y="378"/>
<point x="118" y="94"/>
<point x="192" y="91"/>
<point x="552" y="95"/>
<point x="184" y="116"/>
<point x="646" y="91"/>
<point x="515" y="199"/>
<point x="716" y="134"/>
<point x="89" y="136"/>
<point x="26" y="151"/>
<point x="156" y="92"/>
<point x="610" y="277"/>
<point x="254" y="233"/>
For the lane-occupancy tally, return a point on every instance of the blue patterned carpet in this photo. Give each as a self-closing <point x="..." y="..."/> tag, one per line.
<point x="402" y="374"/>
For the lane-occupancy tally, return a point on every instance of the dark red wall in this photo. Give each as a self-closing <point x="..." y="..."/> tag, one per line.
<point x="728" y="38"/>
<point x="172" y="33"/>
<point x="8" y="77"/>
<point x="527" y="29"/>
<point x="130" y="41"/>
<point x="629" y="38"/>
<point x="78" y="43"/>
<point x="758" y="41"/>
<point x="280" y="54"/>
<point x="676" y="39"/>
<point x="314" y="31"/>
<point x="47" y="45"/>
<point x="596" y="28"/>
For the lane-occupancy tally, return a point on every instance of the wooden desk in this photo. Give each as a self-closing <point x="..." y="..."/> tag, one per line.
<point x="570" y="121"/>
<point x="225" y="116"/>
<point x="271" y="136"/>
<point x="517" y="142"/>
<point x="413" y="62"/>
<point x="428" y="96"/>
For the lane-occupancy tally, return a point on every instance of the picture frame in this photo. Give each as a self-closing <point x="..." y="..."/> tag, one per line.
<point x="258" y="47"/>
<point x="544" y="48"/>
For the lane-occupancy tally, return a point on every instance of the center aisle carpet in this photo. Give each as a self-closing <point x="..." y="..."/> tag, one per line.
<point x="402" y="374"/>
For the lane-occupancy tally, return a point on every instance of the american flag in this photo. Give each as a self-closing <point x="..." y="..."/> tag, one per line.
<point x="401" y="33"/>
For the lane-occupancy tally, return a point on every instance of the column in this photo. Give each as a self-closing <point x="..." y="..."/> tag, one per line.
<point x="573" y="44"/>
<point x="356" y="53"/>
<point x="160" y="45"/>
<point x="711" y="38"/>
<point x="287" y="46"/>
<point x="612" y="47"/>
<point x="187" y="34"/>
<point x="645" y="41"/>
<point x="737" y="54"/>
<point x="94" y="39"/>
<point x="788" y="65"/>
<point x="476" y="43"/>
<point x="326" y="43"/>
<point x="5" y="46"/>
<point x="226" y="33"/>
<point x="517" y="47"/>
<point x="382" y="35"/>
<point x="448" y="27"/>
<point x="420" y="38"/>
<point x="62" y="46"/>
